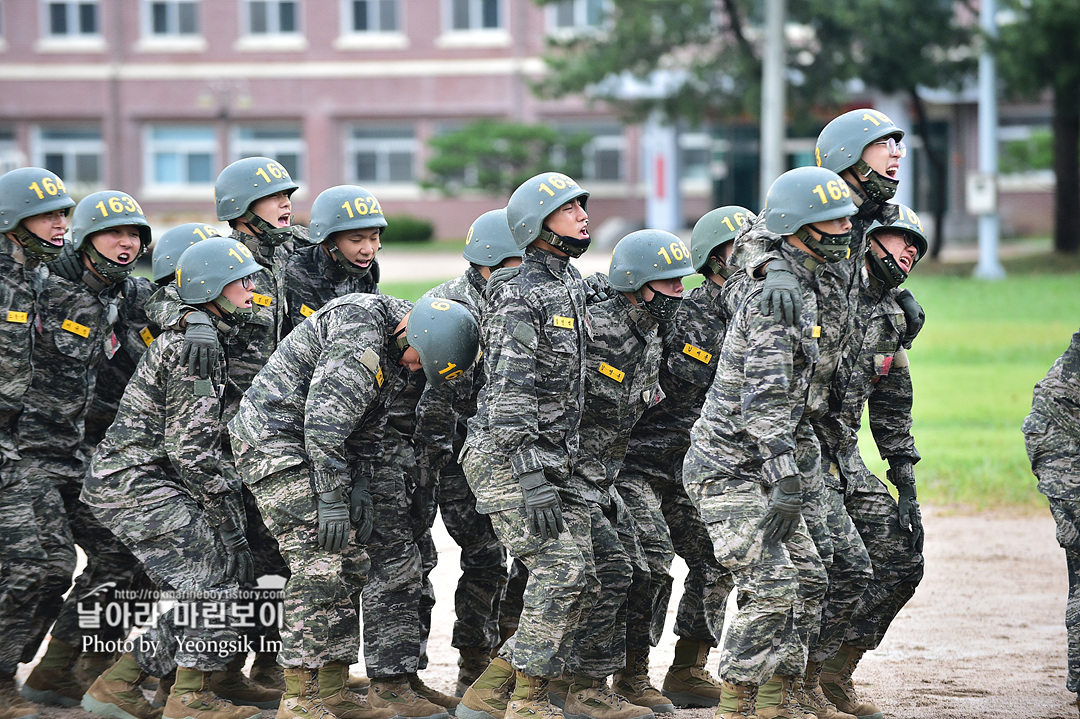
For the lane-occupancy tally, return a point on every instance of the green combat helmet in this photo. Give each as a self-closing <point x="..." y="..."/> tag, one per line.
<point x="806" y="195"/>
<point x="713" y="230"/>
<point x="26" y="192"/>
<point x="533" y="201"/>
<point x="100" y="211"/>
<point x="206" y="267"/>
<point x="647" y="255"/>
<point x="446" y="336"/>
<point x="171" y="245"/>
<point x="841" y="143"/>
<point x="490" y="241"/>
<point x="344" y="207"/>
<point x="245" y="181"/>
<point x="886" y="268"/>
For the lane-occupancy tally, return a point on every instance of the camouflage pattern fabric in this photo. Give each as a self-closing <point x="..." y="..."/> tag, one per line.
<point x="24" y="566"/>
<point x="313" y="278"/>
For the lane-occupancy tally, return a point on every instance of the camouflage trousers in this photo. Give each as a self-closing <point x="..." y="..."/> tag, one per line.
<point x="897" y="569"/>
<point x="512" y="596"/>
<point x="392" y="597"/>
<point x="780" y="585"/>
<point x="483" y="563"/>
<point x="1066" y="514"/>
<point x="640" y="607"/>
<point x="24" y="568"/>
<point x="552" y="601"/>
<point x="179" y="550"/>
<point x="849" y="574"/>
<point x="322" y="595"/>
<point x="429" y="558"/>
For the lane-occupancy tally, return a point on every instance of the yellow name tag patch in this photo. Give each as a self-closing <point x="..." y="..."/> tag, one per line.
<point x="262" y="300"/>
<point x="19" y="317"/>
<point x="76" y="328"/>
<point x="567" y="322"/>
<point x="379" y="376"/>
<point x="306" y="311"/>
<point x="697" y="353"/>
<point x="147" y="336"/>
<point x="815" y="331"/>
<point x="615" y="374"/>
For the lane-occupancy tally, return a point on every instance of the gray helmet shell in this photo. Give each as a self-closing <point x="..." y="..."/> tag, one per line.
<point x="206" y="267"/>
<point x="840" y="144"/>
<point x="343" y="207"/>
<point x="30" y="191"/>
<point x="804" y="196"/>
<point x="648" y="255"/>
<point x="173" y="242"/>
<point x="714" y="229"/>
<point x="535" y="199"/>
<point x="490" y="241"/>
<point x="109" y="208"/>
<point x="247" y="180"/>
<point x="446" y="336"/>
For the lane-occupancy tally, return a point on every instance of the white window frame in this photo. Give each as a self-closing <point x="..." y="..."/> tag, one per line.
<point x="10" y="155"/>
<point x="382" y="148"/>
<point x="69" y="148"/>
<point x="291" y="41"/>
<point x="70" y="41"/>
<point x="475" y="35"/>
<point x="699" y="140"/>
<point x="153" y="189"/>
<point x="580" y="23"/>
<point x="603" y="143"/>
<point x="240" y="147"/>
<point x="373" y="39"/>
<point x="172" y="19"/>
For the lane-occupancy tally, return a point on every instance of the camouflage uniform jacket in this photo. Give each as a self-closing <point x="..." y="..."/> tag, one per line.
<point x="443" y="411"/>
<point x="529" y="409"/>
<point x="873" y="372"/>
<point x="322" y="397"/>
<point x="622" y="380"/>
<point x="313" y="278"/>
<point x="22" y="285"/>
<point x="757" y="400"/>
<point x="76" y="336"/>
<point x="662" y="435"/>
<point x="169" y="422"/>
<point x="259" y="337"/>
<point x="1055" y="406"/>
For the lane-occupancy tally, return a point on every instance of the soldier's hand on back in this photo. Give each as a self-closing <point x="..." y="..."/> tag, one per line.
<point x="781" y="295"/>
<point x="334" y="521"/>
<point x="200" y="344"/>
<point x="785" y="509"/>
<point x="541" y="505"/>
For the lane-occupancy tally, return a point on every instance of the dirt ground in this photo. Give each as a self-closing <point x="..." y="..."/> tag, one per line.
<point x="983" y="637"/>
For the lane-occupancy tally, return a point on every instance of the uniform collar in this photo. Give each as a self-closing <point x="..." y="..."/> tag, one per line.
<point x="556" y="264"/>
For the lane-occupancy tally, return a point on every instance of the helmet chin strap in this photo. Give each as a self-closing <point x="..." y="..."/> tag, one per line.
<point x="833" y="248"/>
<point x="351" y="268"/>
<point x="718" y="268"/>
<point x="573" y="246"/>
<point x="232" y="315"/>
<point x="877" y="187"/>
<point x="36" y="246"/>
<point x="266" y="232"/>
<point x="661" y="307"/>
<point x="886" y="269"/>
<point x="112" y="271"/>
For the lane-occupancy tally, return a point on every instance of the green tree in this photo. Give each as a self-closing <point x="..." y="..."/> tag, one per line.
<point x="495" y="157"/>
<point x="1039" y="52"/>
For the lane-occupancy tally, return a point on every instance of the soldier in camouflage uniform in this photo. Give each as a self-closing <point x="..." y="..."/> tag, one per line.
<point x="158" y="481"/>
<point x="650" y="480"/>
<point x="253" y="196"/>
<point x="522" y="442"/>
<point x="88" y="282"/>
<point x="305" y="437"/>
<point x="1052" y="435"/>
<point x="754" y="456"/>
<point x="439" y="435"/>
<point x="34" y="207"/>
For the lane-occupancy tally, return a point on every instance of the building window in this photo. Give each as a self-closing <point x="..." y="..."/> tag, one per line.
<point x="74" y="18"/>
<point x="283" y="143"/>
<point x="695" y="156"/>
<point x="384" y="154"/>
<point x="602" y="155"/>
<point x="9" y="151"/>
<point x="180" y="154"/>
<point x="272" y="17"/>
<point x="372" y="15"/>
<point x="475" y="15"/>
<point x="171" y="18"/>
<point x="577" y="14"/>
<point x="74" y="153"/>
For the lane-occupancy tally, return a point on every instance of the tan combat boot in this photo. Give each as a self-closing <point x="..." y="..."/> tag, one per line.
<point x="91" y="665"/>
<point x="591" y="698"/>
<point x="342" y="702"/>
<point x="116" y="693"/>
<point x="813" y="699"/>
<point x="395" y="693"/>
<point x="839" y="687"/>
<point x="530" y="699"/>
<point x="359" y="683"/>
<point x="434" y="696"/>
<point x="266" y="671"/>
<point x="558" y="688"/>
<point x="471" y="664"/>
<point x="688" y="683"/>
<point x="164" y="688"/>
<point x="301" y="697"/>
<point x="53" y="681"/>
<point x="487" y="697"/>
<point x="633" y="684"/>
<point x="231" y="684"/>
<point x="776" y="700"/>
<point x="736" y="702"/>
<point x="12" y="704"/>
<point x="192" y="698"/>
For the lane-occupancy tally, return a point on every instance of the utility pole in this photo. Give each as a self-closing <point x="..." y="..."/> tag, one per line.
<point x="773" y="106"/>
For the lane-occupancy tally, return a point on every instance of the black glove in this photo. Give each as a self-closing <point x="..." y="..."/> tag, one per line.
<point x="240" y="564"/>
<point x="200" y="344"/>
<point x="903" y="477"/>
<point x="781" y="296"/>
<point x="913" y="313"/>
<point x="334" y="520"/>
<point x="598" y="289"/>
<point x="541" y="505"/>
<point x="361" y="511"/>
<point x="785" y="508"/>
